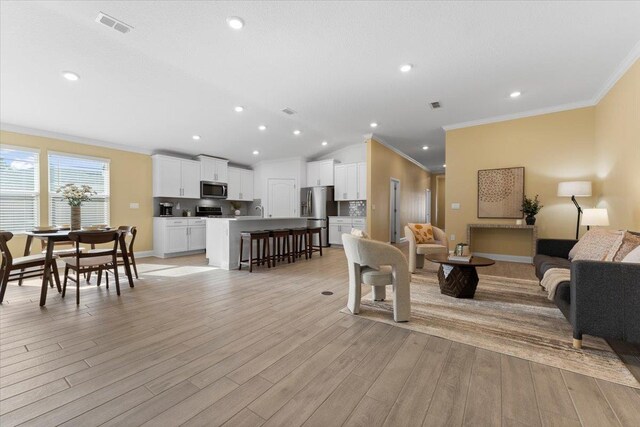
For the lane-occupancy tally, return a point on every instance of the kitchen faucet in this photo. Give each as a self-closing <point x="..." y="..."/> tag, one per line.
<point x="261" y="209"/>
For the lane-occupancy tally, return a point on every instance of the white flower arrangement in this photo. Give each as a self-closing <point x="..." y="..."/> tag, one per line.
<point x="75" y="195"/>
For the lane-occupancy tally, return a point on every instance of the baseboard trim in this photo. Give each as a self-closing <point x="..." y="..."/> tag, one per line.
<point x="144" y="254"/>
<point x="510" y="258"/>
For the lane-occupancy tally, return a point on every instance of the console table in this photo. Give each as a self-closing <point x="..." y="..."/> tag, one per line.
<point x="533" y="228"/>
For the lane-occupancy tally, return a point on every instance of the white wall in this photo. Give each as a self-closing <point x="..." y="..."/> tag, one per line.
<point x="350" y="154"/>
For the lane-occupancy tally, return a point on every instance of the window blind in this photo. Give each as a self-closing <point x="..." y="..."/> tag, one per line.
<point x="19" y="189"/>
<point x="69" y="169"/>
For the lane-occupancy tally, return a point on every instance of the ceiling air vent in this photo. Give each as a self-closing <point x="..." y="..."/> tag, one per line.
<point x="288" y="111"/>
<point x="112" y="22"/>
<point x="435" y="105"/>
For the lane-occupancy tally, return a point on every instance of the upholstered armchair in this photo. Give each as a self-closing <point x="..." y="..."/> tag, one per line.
<point x="377" y="264"/>
<point x="417" y="251"/>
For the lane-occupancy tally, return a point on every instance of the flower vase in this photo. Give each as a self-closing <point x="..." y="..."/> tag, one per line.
<point x="76" y="222"/>
<point x="530" y="220"/>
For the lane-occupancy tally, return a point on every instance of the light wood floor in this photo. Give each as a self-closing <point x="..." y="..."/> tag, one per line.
<point x="196" y="346"/>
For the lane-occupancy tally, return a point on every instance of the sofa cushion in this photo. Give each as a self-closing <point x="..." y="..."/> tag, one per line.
<point x="545" y="262"/>
<point x="633" y="256"/>
<point x="377" y="277"/>
<point x="423" y="233"/>
<point x="630" y="241"/>
<point x="597" y="245"/>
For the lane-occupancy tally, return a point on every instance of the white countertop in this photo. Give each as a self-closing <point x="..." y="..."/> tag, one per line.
<point x="254" y="218"/>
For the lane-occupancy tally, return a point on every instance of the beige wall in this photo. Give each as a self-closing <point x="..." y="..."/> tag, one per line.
<point x="382" y="165"/>
<point x="617" y="139"/>
<point x="130" y="181"/>
<point x="439" y="206"/>
<point x="551" y="147"/>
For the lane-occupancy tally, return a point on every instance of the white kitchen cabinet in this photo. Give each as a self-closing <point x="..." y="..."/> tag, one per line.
<point x="175" y="177"/>
<point x="320" y="173"/>
<point x="213" y="169"/>
<point x="362" y="181"/>
<point x="240" y="185"/>
<point x="338" y="225"/>
<point x="178" y="235"/>
<point x="350" y="181"/>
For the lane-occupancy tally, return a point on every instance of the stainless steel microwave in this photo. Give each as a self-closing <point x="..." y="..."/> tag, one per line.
<point x="213" y="190"/>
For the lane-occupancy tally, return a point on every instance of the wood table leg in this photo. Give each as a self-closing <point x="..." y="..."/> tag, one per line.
<point x="125" y="259"/>
<point x="46" y="275"/>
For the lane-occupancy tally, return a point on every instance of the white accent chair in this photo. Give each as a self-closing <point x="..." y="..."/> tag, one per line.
<point x="377" y="264"/>
<point x="417" y="251"/>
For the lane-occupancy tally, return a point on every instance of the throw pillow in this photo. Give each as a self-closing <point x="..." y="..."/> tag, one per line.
<point x="633" y="256"/>
<point x="359" y="233"/>
<point x="629" y="243"/>
<point x="422" y="232"/>
<point x="597" y="245"/>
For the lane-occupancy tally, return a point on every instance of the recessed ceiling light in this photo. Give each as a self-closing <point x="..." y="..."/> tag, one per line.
<point x="373" y="125"/>
<point x="296" y="132"/>
<point x="424" y="147"/>
<point x="444" y="166"/>
<point x="71" y="76"/>
<point x="196" y="137"/>
<point x="256" y="152"/>
<point x="324" y="142"/>
<point x="262" y="127"/>
<point x="239" y="109"/>
<point x="405" y="68"/>
<point x="515" y="94"/>
<point x="235" y="22"/>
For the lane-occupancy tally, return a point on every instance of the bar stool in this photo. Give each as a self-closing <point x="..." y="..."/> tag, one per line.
<point x="299" y="237"/>
<point x="280" y="245"/>
<point x="311" y="231"/>
<point x="258" y="237"/>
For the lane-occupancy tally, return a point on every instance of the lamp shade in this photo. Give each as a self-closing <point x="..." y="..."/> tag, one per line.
<point x="595" y="217"/>
<point x="574" y="188"/>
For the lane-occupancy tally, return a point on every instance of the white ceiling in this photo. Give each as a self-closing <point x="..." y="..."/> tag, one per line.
<point x="182" y="70"/>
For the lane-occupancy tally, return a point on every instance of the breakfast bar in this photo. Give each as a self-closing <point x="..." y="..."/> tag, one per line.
<point x="223" y="236"/>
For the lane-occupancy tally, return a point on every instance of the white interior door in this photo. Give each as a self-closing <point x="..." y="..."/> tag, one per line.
<point x="282" y="198"/>
<point x="394" y="211"/>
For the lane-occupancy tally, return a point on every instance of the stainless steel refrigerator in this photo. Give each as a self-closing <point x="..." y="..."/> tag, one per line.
<point x="317" y="204"/>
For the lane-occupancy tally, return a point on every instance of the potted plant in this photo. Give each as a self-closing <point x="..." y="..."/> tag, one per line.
<point x="75" y="195"/>
<point x="530" y="208"/>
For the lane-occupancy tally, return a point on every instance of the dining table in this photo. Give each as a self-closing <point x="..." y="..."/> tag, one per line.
<point x="51" y="238"/>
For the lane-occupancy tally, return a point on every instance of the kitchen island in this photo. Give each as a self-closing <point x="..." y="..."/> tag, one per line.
<point x="223" y="236"/>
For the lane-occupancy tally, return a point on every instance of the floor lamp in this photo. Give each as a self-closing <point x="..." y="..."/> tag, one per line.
<point x="575" y="189"/>
<point x="595" y="217"/>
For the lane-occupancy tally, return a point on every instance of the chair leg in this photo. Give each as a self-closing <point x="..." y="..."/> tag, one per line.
<point x="251" y="255"/>
<point x="401" y="303"/>
<point x="320" y="241"/>
<point x="56" y="275"/>
<point x="115" y="275"/>
<point x="577" y="340"/>
<point x="355" y="289"/>
<point x="99" y="276"/>
<point x="135" y="267"/>
<point x="268" y="249"/>
<point x="64" y="284"/>
<point x="77" y="287"/>
<point x="88" y="276"/>
<point x="240" y="258"/>
<point x="306" y="246"/>
<point x="4" y="281"/>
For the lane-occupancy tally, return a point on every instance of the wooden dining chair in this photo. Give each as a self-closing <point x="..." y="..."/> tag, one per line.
<point x="87" y="262"/>
<point x="20" y="268"/>
<point x="127" y="231"/>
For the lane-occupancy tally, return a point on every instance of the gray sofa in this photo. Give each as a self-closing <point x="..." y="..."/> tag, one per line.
<point x="602" y="298"/>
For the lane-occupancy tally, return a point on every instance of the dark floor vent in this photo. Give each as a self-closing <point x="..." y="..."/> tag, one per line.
<point x="327" y="293"/>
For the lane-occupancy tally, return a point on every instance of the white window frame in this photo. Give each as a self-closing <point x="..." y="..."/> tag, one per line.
<point x="36" y="193"/>
<point x="53" y="194"/>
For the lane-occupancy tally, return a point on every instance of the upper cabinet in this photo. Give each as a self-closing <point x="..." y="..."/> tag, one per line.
<point x="175" y="177"/>
<point x="240" y="184"/>
<point x="213" y="170"/>
<point x="351" y="181"/>
<point x="320" y="173"/>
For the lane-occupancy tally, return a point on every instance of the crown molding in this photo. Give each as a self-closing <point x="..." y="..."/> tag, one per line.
<point x="529" y="113"/>
<point x="620" y="70"/>
<point x="70" y="138"/>
<point x="381" y="141"/>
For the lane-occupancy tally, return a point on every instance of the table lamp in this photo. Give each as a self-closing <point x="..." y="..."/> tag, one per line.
<point x="575" y="189"/>
<point x="595" y="217"/>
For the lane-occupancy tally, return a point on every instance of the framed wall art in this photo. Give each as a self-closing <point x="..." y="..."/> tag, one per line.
<point x="500" y="192"/>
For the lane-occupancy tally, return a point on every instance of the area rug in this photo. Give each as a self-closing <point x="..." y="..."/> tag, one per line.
<point x="509" y="316"/>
